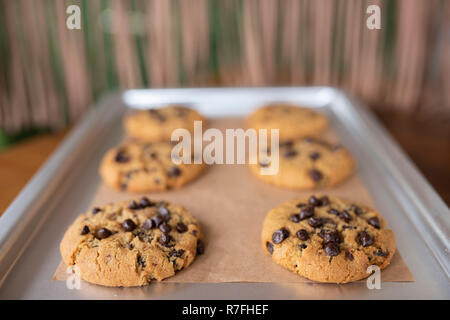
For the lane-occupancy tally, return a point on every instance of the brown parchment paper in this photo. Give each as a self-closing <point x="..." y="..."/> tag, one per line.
<point x="230" y="204"/>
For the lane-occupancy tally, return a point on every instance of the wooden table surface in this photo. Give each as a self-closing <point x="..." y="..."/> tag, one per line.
<point x="426" y="141"/>
<point x="21" y="161"/>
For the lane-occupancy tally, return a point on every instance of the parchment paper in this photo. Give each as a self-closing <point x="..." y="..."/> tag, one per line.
<point x="230" y="204"/>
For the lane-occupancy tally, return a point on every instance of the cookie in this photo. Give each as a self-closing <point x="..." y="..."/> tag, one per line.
<point x="131" y="243"/>
<point x="327" y="239"/>
<point x="145" y="167"/>
<point x="294" y="122"/>
<point x="307" y="164"/>
<point x="156" y="125"/>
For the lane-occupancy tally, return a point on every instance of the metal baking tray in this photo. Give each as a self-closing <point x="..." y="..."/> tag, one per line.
<point x="33" y="225"/>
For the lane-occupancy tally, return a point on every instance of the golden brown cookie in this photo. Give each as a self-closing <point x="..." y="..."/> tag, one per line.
<point x="145" y="167"/>
<point x="293" y="121"/>
<point x="327" y="239"/>
<point x="131" y="243"/>
<point x="309" y="163"/>
<point x="156" y="125"/>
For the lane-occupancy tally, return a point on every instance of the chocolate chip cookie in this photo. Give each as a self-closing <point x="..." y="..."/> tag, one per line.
<point x="145" y="167"/>
<point x="132" y="243"/>
<point x="155" y="125"/>
<point x="293" y="121"/>
<point x="308" y="164"/>
<point x="327" y="239"/>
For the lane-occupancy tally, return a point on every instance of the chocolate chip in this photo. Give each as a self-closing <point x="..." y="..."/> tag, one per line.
<point x="302" y="234"/>
<point x="314" y="155"/>
<point x="123" y="186"/>
<point x="325" y="201"/>
<point x="348" y="255"/>
<point x="290" y="153"/>
<point x="314" y="201"/>
<point x="344" y="215"/>
<point x="153" y="155"/>
<point x="157" y="220"/>
<point x="330" y="236"/>
<point x="364" y="239"/>
<point x="357" y="210"/>
<point x="96" y="210"/>
<point x="200" y="247"/>
<point x="85" y="230"/>
<point x="164" y="227"/>
<point x="316" y="175"/>
<point x="332" y="249"/>
<point x="380" y="253"/>
<point x="295" y="218"/>
<point x="148" y="224"/>
<point x="306" y="212"/>
<point x="174" y="172"/>
<point x="140" y="262"/>
<point x="133" y="205"/>
<point x="375" y="222"/>
<point x="145" y="202"/>
<point x="302" y="246"/>
<point x="129" y="225"/>
<point x="164" y="239"/>
<point x="163" y="211"/>
<point x="301" y="205"/>
<point x="269" y="247"/>
<point x="348" y="227"/>
<point x="103" y="233"/>
<point x="321" y="233"/>
<point x="181" y="227"/>
<point x="279" y="235"/>
<point x="129" y="174"/>
<point x="333" y="211"/>
<point x="121" y="157"/>
<point x="176" y="253"/>
<point x="315" y="222"/>
<point x="144" y="237"/>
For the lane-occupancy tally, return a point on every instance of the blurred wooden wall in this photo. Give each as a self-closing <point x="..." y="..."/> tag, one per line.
<point x="49" y="75"/>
